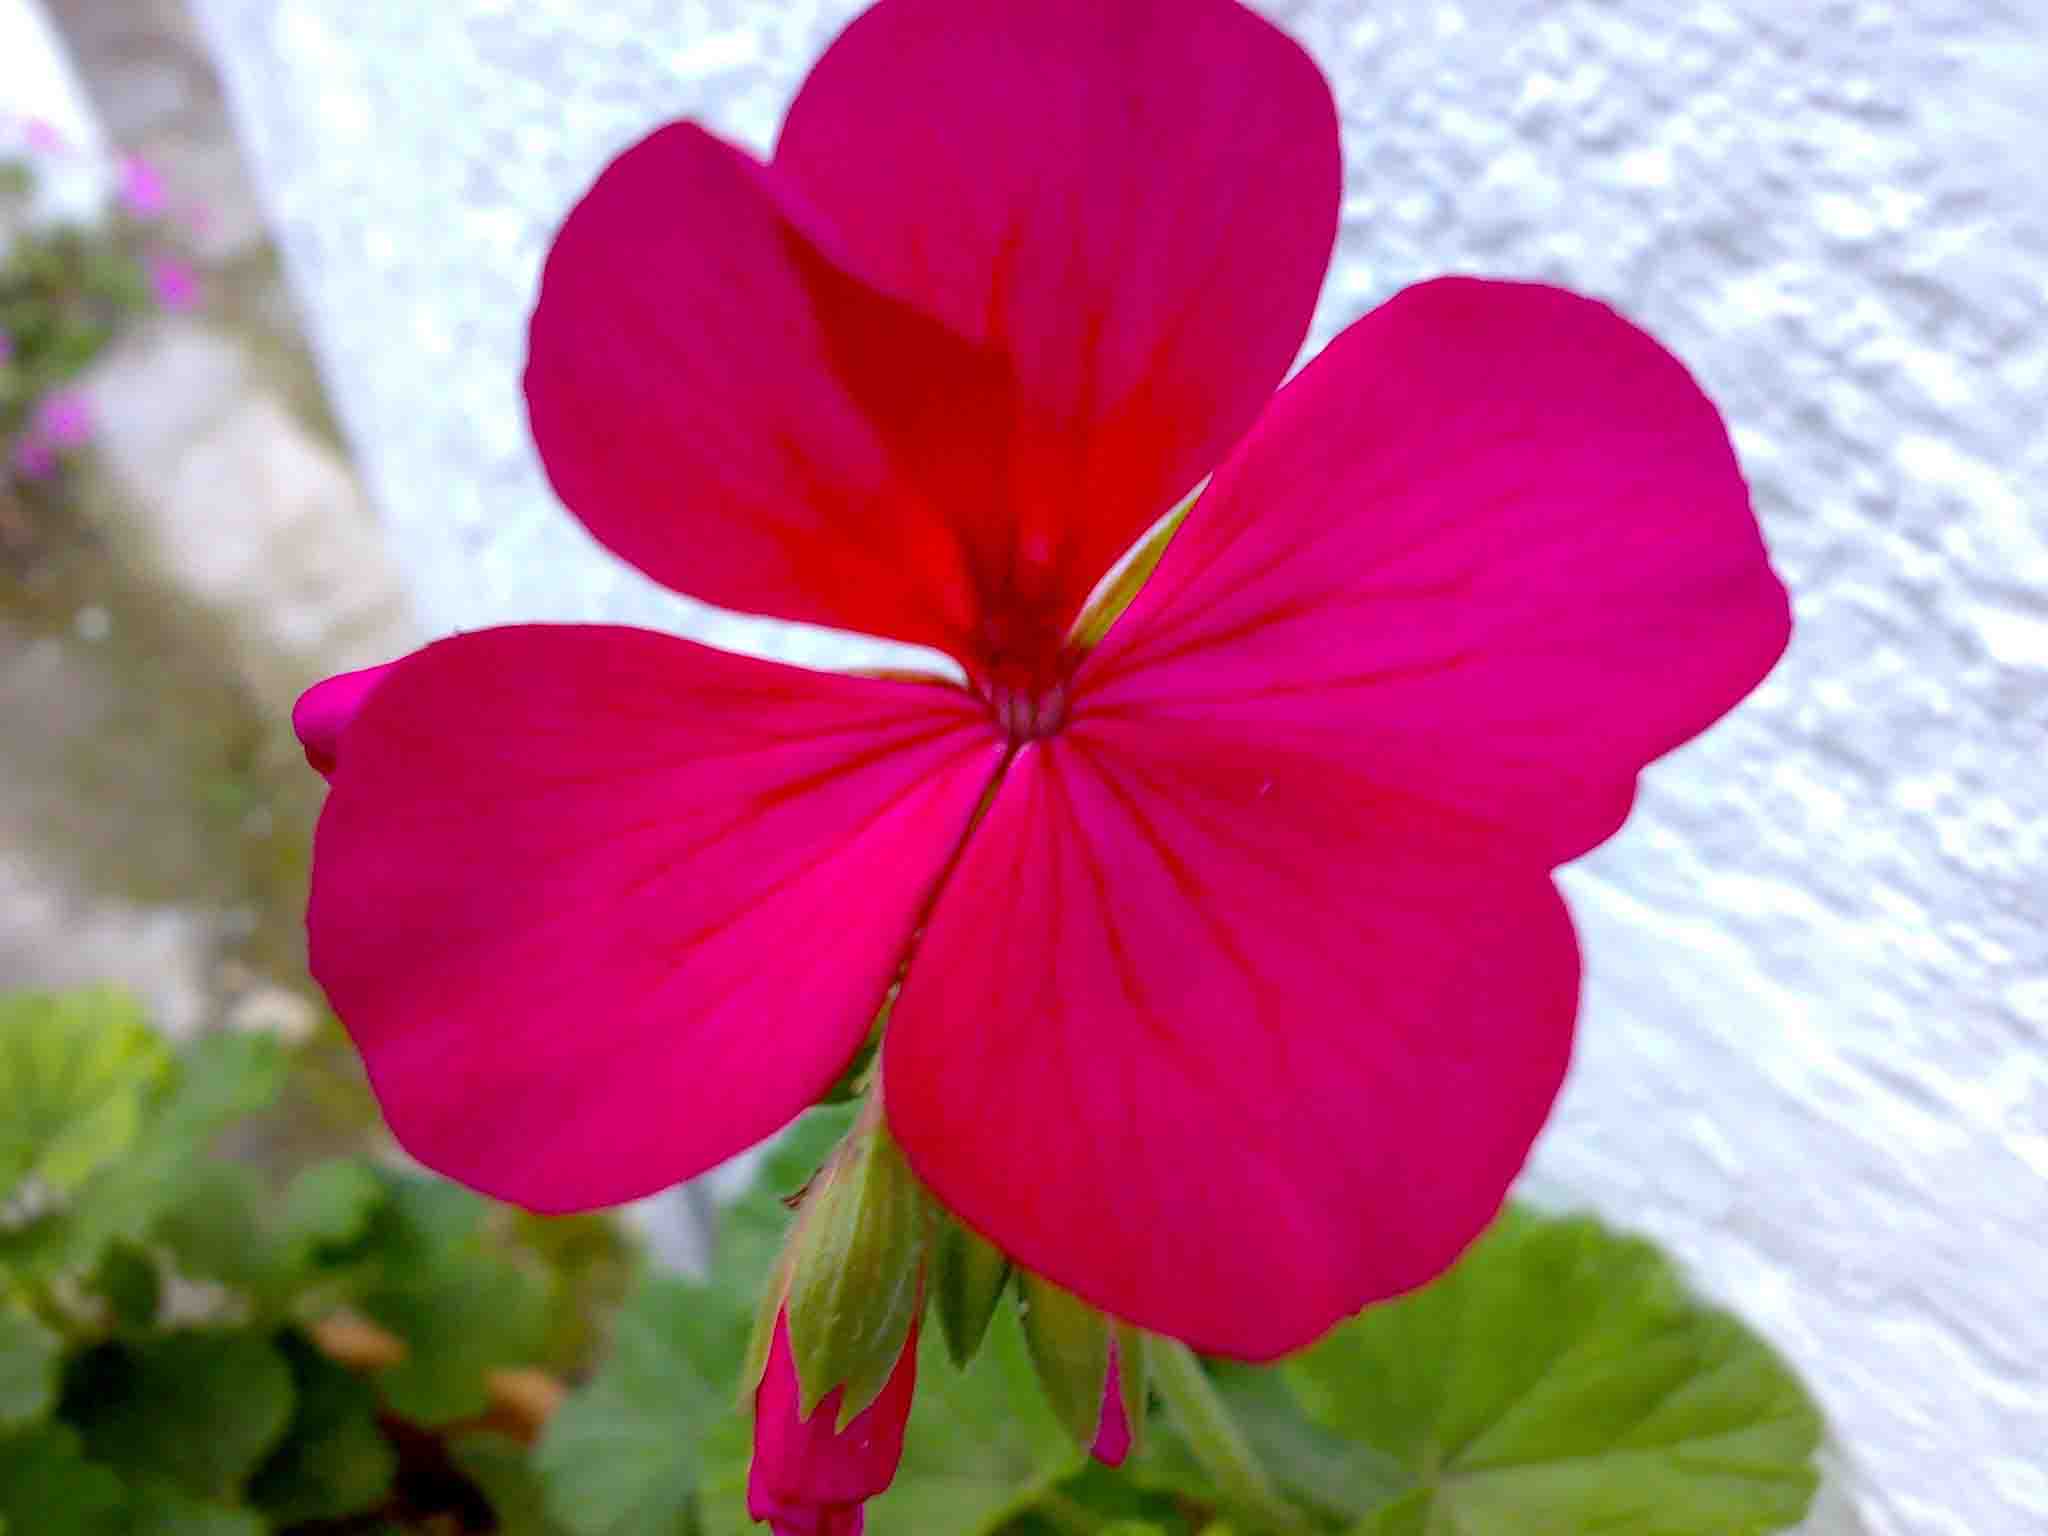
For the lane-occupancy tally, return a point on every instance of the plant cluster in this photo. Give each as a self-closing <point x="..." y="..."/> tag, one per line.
<point x="188" y="1350"/>
<point x="66" y="290"/>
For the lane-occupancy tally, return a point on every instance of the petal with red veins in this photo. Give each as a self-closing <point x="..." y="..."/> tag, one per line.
<point x="1228" y="1039"/>
<point x="1491" y="547"/>
<point x="1133" y="204"/>
<point x="602" y="907"/>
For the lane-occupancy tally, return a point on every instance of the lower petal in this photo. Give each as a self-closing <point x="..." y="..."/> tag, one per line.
<point x="602" y="907"/>
<point x="1227" y="1041"/>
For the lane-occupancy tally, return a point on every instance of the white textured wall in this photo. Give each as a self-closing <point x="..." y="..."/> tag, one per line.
<point x="1813" y="1053"/>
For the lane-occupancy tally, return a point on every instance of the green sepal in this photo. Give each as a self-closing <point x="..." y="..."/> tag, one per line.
<point x="1069" y="1343"/>
<point x="1106" y="606"/>
<point x="761" y="1337"/>
<point x="967" y="1277"/>
<point x="1134" y="1380"/>
<point x="857" y="1282"/>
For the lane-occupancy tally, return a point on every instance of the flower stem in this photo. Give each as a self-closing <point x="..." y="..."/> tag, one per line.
<point x="1212" y="1434"/>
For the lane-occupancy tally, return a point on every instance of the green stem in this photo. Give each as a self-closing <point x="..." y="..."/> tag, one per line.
<point x="1212" y="1434"/>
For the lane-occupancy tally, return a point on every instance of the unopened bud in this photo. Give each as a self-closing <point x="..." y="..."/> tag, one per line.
<point x="855" y="1268"/>
<point x="1091" y="1367"/>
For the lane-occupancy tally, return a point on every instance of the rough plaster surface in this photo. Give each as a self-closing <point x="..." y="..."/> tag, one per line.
<point x="1813" y="1054"/>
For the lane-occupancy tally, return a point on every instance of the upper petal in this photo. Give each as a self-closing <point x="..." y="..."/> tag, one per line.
<point x="1018" y="277"/>
<point x="729" y="412"/>
<point x="1133" y="204"/>
<point x="1227" y="1040"/>
<point x="1491" y="547"/>
<point x="602" y="907"/>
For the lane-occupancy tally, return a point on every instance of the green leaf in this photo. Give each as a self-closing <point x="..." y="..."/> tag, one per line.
<point x="158" y="1509"/>
<point x="1559" y="1381"/>
<point x="197" y="1410"/>
<point x="29" y="1354"/>
<point x="1069" y="1342"/>
<point x="622" y="1455"/>
<point x="214" y="1229"/>
<point x="128" y="1280"/>
<point x="329" y="1208"/>
<point x="462" y="1309"/>
<point x="334" y="1460"/>
<point x="504" y="1471"/>
<point x="469" y="1315"/>
<point x="857" y="1283"/>
<point x="967" y="1277"/>
<point x="619" y="1458"/>
<point x="48" y="1488"/>
<point x="982" y="1442"/>
<point x="76" y="1072"/>
<point x="219" y="1079"/>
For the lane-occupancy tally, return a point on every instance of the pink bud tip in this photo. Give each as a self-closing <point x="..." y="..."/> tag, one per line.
<point x="1113" y="1433"/>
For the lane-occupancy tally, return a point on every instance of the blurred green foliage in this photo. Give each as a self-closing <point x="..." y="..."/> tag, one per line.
<point x="168" y="1359"/>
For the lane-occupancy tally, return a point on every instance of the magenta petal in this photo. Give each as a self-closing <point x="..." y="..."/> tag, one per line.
<point x="1133" y="204"/>
<point x="324" y="711"/>
<point x="1492" y="547"/>
<point x="1224" y="1037"/>
<point x="602" y="907"/>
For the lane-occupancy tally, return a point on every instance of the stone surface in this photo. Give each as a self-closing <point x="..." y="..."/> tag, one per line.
<point x="1812" y="1056"/>
<point x="230" y="501"/>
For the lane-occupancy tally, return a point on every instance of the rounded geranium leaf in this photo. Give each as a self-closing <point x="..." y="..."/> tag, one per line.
<point x="1226" y="1038"/>
<point x="602" y="907"/>
<point x="1491" y="548"/>
<point x="1131" y="205"/>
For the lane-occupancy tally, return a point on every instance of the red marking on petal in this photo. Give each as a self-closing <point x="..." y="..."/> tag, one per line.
<point x="1492" y="548"/>
<point x="602" y="907"/>
<point x="1018" y="277"/>
<point x="1132" y="204"/>
<point x="1224" y="1037"/>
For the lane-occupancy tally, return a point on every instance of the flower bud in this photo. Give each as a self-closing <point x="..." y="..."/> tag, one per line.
<point x="810" y="1476"/>
<point x="1091" y="1368"/>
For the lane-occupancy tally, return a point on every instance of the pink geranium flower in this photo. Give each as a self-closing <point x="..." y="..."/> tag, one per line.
<point x="1241" y="1002"/>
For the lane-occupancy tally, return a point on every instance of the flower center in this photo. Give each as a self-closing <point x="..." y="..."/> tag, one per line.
<point x="1026" y="714"/>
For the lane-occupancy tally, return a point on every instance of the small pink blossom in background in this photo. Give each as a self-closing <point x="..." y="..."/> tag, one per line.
<point x="808" y="1477"/>
<point x="6" y="348"/>
<point x="1234" y="981"/>
<point x="173" y="282"/>
<point x="34" y="459"/>
<point x="141" y="192"/>
<point x="42" y="137"/>
<point x="63" y="420"/>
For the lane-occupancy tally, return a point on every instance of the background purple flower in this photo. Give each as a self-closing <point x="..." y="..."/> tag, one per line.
<point x="141" y="192"/>
<point x="173" y="282"/>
